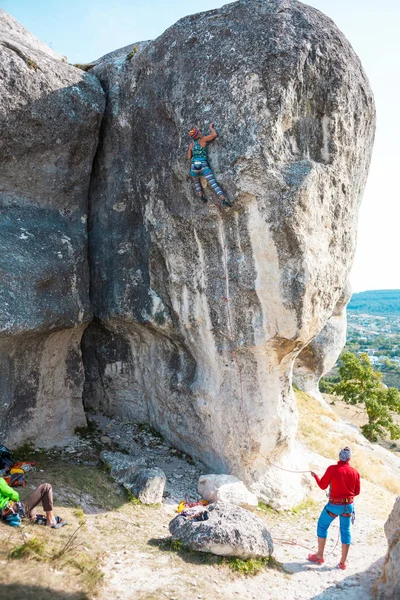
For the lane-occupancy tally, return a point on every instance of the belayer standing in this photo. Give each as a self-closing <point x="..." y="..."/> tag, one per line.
<point x="197" y="153"/>
<point x="344" y="482"/>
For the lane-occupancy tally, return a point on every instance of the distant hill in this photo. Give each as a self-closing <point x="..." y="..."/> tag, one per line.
<point x="376" y="302"/>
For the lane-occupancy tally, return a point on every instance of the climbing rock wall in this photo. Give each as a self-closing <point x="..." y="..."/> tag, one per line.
<point x="321" y="354"/>
<point x="50" y="116"/>
<point x="388" y="586"/>
<point x="201" y="311"/>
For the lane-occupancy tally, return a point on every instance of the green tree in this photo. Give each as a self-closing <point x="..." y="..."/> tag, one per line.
<point x="361" y="384"/>
<point x="388" y="365"/>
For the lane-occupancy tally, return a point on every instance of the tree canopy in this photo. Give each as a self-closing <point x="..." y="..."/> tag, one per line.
<point x="361" y="384"/>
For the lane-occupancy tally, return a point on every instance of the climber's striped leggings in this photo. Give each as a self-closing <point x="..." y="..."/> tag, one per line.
<point x="206" y="172"/>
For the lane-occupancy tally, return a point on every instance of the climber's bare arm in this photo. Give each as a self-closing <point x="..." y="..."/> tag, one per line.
<point x="211" y="136"/>
<point x="189" y="152"/>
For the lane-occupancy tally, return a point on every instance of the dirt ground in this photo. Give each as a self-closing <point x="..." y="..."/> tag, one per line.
<point x="115" y="548"/>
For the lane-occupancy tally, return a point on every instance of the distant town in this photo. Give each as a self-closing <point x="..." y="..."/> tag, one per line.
<point x="373" y="327"/>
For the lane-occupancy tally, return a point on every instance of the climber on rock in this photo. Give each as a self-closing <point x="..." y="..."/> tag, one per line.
<point x="197" y="153"/>
<point x="344" y="482"/>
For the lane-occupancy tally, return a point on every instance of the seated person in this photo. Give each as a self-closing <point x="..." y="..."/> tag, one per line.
<point x="10" y="503"/>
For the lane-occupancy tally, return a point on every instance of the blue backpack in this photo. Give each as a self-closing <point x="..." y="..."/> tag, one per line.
<point x="13" y="520"/>
<point x="6" y="458"/>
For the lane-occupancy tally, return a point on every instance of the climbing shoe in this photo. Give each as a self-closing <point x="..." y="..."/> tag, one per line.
<point x="227" y="203"/>
<point x="204" y="199"/>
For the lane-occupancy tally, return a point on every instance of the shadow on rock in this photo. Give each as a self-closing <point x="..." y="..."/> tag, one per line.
<point x="17" y="591"/>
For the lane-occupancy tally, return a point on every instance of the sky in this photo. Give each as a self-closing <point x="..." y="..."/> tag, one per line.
<point x="84" y="30"/>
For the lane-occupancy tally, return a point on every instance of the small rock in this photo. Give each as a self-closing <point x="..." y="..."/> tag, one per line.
<point x="148" y="485"/>
<point x="123" y="467"/>
<point x="225" y="488"/>
<point x="105" y="439"/>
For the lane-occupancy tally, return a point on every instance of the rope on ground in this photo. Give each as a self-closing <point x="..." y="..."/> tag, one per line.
<point x="296" y="543"/>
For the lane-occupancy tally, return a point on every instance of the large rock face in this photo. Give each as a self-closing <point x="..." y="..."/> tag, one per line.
<point x="50" y="116"/>
<point x="200" y="313"/>
<point x="321" y="354"/>
<point x="388" y="586"/>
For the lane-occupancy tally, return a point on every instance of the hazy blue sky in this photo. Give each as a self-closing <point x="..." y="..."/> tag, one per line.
<point x="83" y="30"/>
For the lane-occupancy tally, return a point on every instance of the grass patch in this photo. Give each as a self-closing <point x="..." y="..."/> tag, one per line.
<point x="84" y="67"/>
<point x="304" y="505"/>
<point x="132" y="53"/>
<point x="88" y="566"/>
<point x="89" y="432"/>
<point x="80" y="515"/>
<point x="252" y="566"/>
<point x="267" y="508"/>
<point x="78" y="483"/>
<point x="25" y="451"/>
<point x="32" y="548"/>
<point x="32" y="64"/>
<point x="132" y="499"/>
<point x="314" y="427"/>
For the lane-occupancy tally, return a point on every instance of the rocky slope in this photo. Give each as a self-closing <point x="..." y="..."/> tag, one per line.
<point x="200" y="313"/>
<point x="50" y="116"/>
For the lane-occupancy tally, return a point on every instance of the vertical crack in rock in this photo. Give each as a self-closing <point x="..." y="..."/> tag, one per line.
<point x="50" y="115"/>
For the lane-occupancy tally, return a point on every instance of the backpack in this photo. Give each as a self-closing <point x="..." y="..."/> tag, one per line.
<point x="12" y="514"/>
<point x="13" y="520"/>
<point x="6" y="457"/>
<point x="15" y="480"/>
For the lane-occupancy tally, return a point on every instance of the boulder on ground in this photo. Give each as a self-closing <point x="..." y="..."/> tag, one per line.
<point x="388" y="586"/>
<point x="229" y="531"/>
<point x="122" y="466"/>
<point x="225" y="488"/>
<point x="147" y="485"/>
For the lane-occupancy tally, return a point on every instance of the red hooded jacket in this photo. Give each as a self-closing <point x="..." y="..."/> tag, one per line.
<point x="343" y="479"/>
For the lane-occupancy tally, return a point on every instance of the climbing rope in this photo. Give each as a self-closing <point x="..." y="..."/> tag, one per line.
<point x="296" y="543"/>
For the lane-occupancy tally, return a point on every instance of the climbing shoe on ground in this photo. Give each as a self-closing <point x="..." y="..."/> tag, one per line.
<point x="313" y="558"/>
<point x="227" y="203"/>
<point x="342" y="566"/>
<point x="204" y="199"/>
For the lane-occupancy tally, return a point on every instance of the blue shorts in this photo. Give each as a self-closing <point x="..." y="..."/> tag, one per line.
<point x="345" y="522"/>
